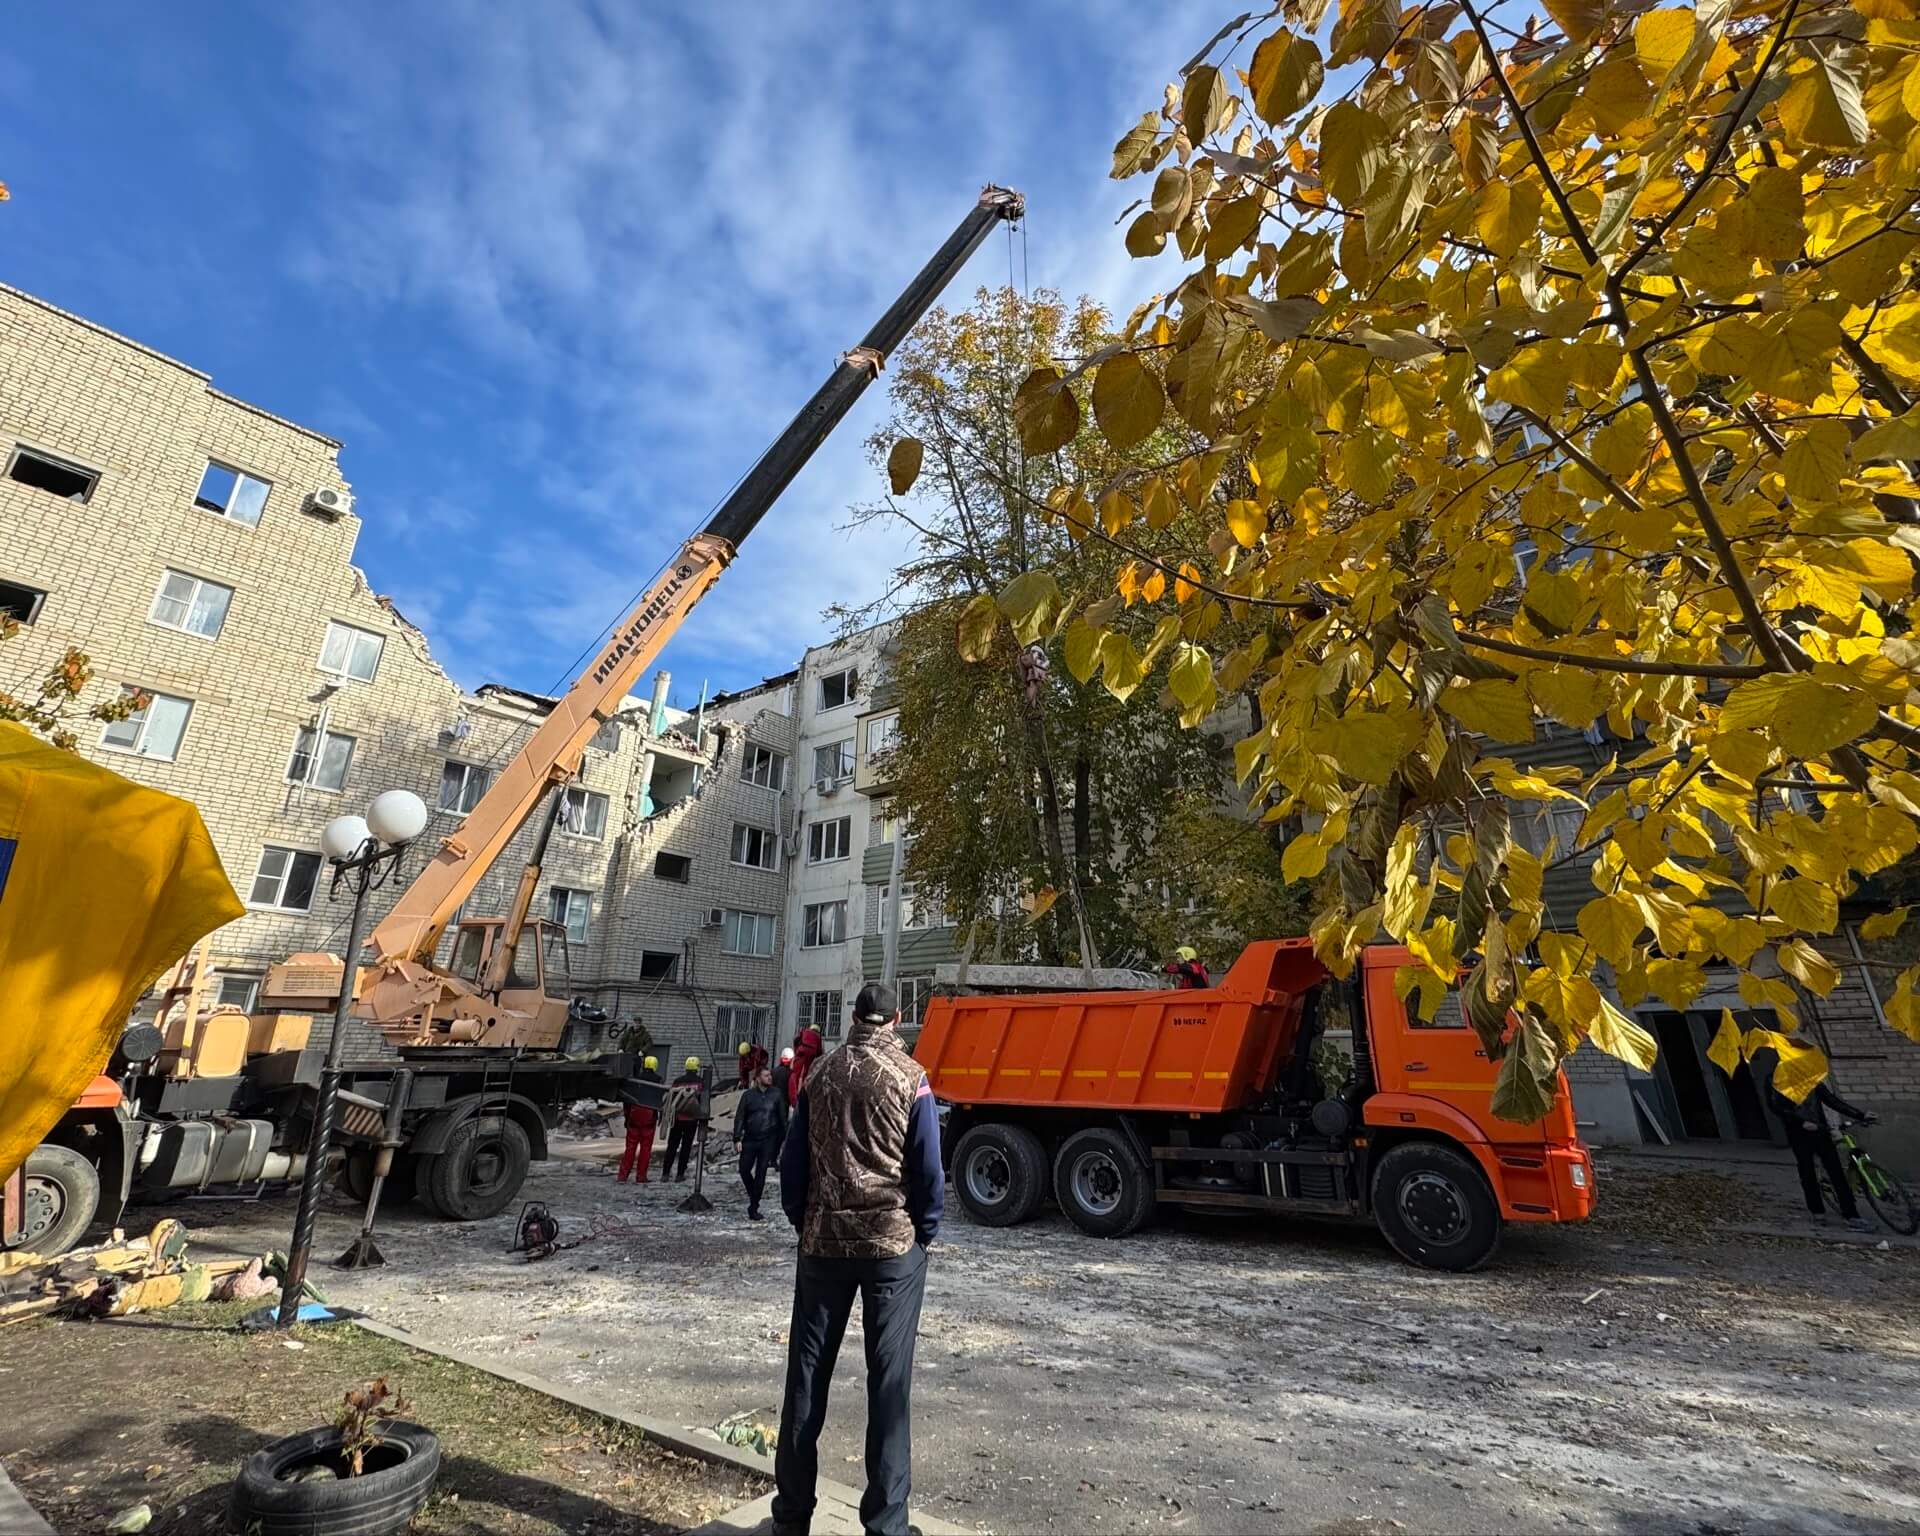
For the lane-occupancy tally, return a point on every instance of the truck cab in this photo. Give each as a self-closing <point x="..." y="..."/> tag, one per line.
<point x="1239" y="1096"/>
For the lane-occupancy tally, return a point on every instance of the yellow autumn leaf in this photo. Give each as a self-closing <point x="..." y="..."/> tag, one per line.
<point x="1494" y="707"/>
<point x="1661" y="39"/>
<point x="1611" y="924"/>
<point x="1246" y="522"/>
<point x="1884" y="925"/>
<point x="903" y="464"/>
<point x="1724" y="1050"/>
<point x="1153" y="587"/>
<point x="1798" y="1069"/>
<point x="1805" y="904"/>
<point x="1621" y="1037"/>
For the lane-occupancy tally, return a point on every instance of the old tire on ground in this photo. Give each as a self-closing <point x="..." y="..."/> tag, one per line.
<point x="399" y="1474"/>
<point x="356" y="1177"/>
<point x="1101" y="1183"/>
<point x="1000" y="1174"/>
<point x="480" y="1171"/>
<point x="63" y="1192"/>
<point x="1435" y="1206"/>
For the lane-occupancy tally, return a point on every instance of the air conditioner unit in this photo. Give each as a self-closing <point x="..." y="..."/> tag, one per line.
<point x="716" y="917"/>
<point x="827" y="786"/>
<point x="330" y="504"/>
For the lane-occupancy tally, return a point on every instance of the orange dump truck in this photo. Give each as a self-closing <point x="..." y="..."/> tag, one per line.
<point x="1117" y="1102"/>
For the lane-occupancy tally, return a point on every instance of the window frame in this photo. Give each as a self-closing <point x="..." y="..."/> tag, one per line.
<point x="919" y="989"/>
<point x="144" y="717"/>
<point x="346" y="674"/>
<point x="199" y="582"/>
<point x="294" y="855"/>
<point x="670" y="973"/>
<point x="316" y="759"/>
<point x="810" y="924"/>
<point x="73" y="466"/>
<point x="686" y="861"/>
<point x="35" y="605"/>
<point x="759" y="751"/>
<point x="561" y="901"/>
<point x="768" y="840"/>
<point x="239" y="476"/>
<point x="845" y="824"/>
<point x="892" y="723"/>
<point x="251" y="980"/>
<point x="845" y="759"/>
<point x="730" y="931"/>
<point x="849" y="679"/>
<point x="589" y="796"/>
<point x="480" y="770"/>
<point x="809" y="1006"/>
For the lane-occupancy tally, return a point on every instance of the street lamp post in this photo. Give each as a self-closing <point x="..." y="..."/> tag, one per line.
<point x="365" y="851"/>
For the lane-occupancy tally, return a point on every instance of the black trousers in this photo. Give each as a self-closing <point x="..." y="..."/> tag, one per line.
<point x="756" y="1157"/>
<point x="679" y="1148"/>
<point x="1807" y="1145"/>
<point x="890" y="1291"/>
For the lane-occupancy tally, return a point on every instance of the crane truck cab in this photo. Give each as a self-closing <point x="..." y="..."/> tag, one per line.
<point x="1117" y="1103"/>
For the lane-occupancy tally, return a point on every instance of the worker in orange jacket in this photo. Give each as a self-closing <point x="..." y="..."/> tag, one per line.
<point x="642" y="1121"/>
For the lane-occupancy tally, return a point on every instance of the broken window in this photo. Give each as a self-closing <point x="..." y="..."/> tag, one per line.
<point x="462" y="785"/>
<point x="755" y="847"/>
<point x="829" y="841"/>
<point x="231" y="493"/>
<point x="607" y="738"/>
<point x="825" y="923"/>
<point x="914" y="992"/>
<point x="570" y="909"/>
<point x="155" y="731"/>
<point x="763" y="766"/>
<point x="837" y="688"/>
<point x="57" y="477"/>
<point x="747" y="933"/>
<point x="833" y="762"/>
<point x="658" y="964"/>
<point x="350" y="652"/>
<point x="672" y="866"/>
<point x="20" y="602"/>
<point x="191" y="603"/>
<point x="285" y="879"/>
<point x="239" y="992"/>
<point x="583" y="813"/>
<point x="320" y="763"/>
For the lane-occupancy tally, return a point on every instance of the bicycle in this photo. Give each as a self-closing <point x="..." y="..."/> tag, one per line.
<point x="1890" y="1199"/>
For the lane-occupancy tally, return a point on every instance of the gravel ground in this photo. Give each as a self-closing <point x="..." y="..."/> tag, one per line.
<point x="1655" y="1370"/>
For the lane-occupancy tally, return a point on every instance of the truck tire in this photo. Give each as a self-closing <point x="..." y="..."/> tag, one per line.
<point x="1000" y="1174"/>
<point x="1435" y="1206"/>
<point x="356" y="1178"/>
<point x="1101" y="1183"/>
<point x="269" y="1498"/>
<point x="481" y="1170"/>
<point x="63" y="1192"/>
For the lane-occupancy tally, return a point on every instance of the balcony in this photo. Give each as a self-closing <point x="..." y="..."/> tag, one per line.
<point x="873" y="764"/>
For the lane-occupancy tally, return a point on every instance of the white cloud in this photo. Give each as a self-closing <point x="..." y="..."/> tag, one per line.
<point x="659" y="226"/>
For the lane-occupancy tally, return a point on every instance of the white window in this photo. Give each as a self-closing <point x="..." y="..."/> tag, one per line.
<point x="151" y="732"/>
<point x="833" y="762"/>
<point x="239" y="992"/>
<point x="916" y="911"/>
<point x="825" y="923"/>
<point x="763" y="766"/>
<point x="583" y="813"/>
<point x="882" y="734"/>
<point x="230" y="493"/>
<point x="325" y="768"/>
<point x="747" y="933"/>
<point x="755" y="847"/>
<point x="570" y="909"/>
<point x="191" y="603"/>
<point x="821" y="1011"/>
<point x="285" y="879"/>
<point x="828" y="841"/>
<point x="914" y="992"/>
<point x="838" y="688"/>
<point x="462" y="785"/>
<point x="350" y="652"/>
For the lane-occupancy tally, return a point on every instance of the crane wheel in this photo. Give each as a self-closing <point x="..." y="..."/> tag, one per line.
<point x="480" y="1171"/>
<point x="63" y="1192"/>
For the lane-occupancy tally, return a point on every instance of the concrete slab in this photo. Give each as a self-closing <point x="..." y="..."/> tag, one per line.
<point x="16" y="1514"/>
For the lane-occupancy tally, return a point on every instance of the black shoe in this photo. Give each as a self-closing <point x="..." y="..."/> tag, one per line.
<point x="755" y="1216"/>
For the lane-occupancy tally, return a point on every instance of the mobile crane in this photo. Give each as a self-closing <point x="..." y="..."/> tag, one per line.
<point x="481" y="1034"/>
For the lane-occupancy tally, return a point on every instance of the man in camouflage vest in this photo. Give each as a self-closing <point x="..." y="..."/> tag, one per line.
<point x="860" y="1180"/>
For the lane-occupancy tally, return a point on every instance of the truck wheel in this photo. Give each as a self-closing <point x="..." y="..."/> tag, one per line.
<point x="63" y="1192"/>
<point x="481" y="1170"/>
<point x="1000" y="1174"/>
<point x="356" y="1178"/>
<point x="1100" y="1183"/>
<point x="1435" y="1206"/>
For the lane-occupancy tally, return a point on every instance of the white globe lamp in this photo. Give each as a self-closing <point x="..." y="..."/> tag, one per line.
<point x="344" y="837"/>
<point x="398" y="816"/>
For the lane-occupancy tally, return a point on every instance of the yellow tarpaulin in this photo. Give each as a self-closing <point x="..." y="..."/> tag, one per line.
<point x="103" y="884"/>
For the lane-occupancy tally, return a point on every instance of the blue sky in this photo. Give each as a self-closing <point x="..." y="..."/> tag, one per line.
<point x="556" y="273"/>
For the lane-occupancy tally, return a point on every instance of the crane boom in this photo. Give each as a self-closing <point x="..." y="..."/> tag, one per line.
<point x="552" y="754"/>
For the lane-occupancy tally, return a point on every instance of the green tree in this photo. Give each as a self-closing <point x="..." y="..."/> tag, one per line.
<point x="1555" y="369"/>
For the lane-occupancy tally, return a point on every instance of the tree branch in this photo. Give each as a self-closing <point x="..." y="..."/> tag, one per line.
<point x="1633" y="664"/>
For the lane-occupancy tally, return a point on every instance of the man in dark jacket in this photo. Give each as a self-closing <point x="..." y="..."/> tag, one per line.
<point x="758" y="1121"/>
<point x="686" y="1101"/>
<point x="1810" y="1137"/>
<point x="860" y="1180"/>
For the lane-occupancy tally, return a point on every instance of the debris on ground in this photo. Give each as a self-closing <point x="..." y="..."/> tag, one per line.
<point x="116" y="1278"/>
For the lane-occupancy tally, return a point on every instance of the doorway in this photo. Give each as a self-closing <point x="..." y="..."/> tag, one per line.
<point x="1697" y="1101"/>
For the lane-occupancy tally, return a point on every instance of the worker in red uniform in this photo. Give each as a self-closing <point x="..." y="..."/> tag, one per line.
<point x="752" y="1059"/>
<point x="642" y="1120"/>
<point x="688" y="1104"/>
<point x="1188" y="974"/>
<point x="806" y="1051"/>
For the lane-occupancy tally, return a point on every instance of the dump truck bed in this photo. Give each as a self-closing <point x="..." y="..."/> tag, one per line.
<point x="1198" y="1052"/>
